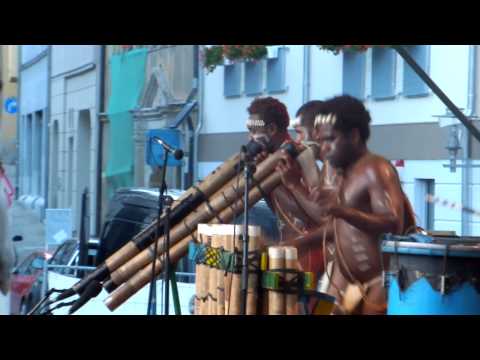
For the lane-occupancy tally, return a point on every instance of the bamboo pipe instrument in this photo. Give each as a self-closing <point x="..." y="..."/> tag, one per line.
<point x="180" y="208"/>
<point x="178" y="250"/>
<point x="204" y="213"/>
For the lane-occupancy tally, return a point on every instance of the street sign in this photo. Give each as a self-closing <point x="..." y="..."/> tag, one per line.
<point x="11" y="105"/>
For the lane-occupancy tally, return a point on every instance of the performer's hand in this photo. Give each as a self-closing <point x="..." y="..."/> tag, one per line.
<point x="260" y="157"/>
<point x="328" y="200"/>
<point x="289" y="170"/>
<point x="319" y="194"/>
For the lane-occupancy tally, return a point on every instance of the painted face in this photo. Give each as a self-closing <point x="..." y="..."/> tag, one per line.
<point x="301" y="133"/>
<point x="258" y="130"/>
<point x="335" y="146"/>
<point x="304" y="133"/>
<point x="259" y="135"/>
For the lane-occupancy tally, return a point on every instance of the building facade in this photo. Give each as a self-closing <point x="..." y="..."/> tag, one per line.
<point x="73" y="129"/>
<point x="8" y="98"/>
<point x="164" y="101"/>
<point x="33" y="115"/>
<point x="408" y="122"/>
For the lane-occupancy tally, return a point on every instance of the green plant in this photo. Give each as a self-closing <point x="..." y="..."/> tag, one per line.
<point x="336" y="49"/>
<point x="216" y="55"/>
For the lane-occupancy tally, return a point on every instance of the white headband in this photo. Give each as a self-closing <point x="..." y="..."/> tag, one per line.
<point x="325" y="119"/>
<point x="255" y="123"/>
<point x="297" y="121"/>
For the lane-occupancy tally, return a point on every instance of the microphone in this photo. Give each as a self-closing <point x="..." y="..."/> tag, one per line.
<point x="177" y="153"/>
<point x="255" y="147"/>
<point x="91" y="291"/>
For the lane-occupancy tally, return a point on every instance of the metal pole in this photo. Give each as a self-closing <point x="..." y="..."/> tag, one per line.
<point x="152" y="298"/>
<point x="168" y="204"/>
<point x="100" y="109"/>
<point x="437" y="91"/>
<point x="247" y="174"/>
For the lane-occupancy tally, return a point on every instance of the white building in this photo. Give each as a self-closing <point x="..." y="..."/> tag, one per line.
<point x="403" y="109"/>
<point x="74" y="128"/>
<point x="33" y="126"/>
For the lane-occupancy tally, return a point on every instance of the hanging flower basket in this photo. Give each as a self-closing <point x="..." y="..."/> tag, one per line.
<point x="336" y="49"/>
<point x="216" y="55"/>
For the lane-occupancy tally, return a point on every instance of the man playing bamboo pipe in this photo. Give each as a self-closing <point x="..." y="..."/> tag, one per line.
<point x="370" y="202"/>
<point x="268" y="124"/>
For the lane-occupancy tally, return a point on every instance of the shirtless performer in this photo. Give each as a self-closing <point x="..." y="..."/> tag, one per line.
<point x="268" y="122"/>
<point x="370" y="202"/>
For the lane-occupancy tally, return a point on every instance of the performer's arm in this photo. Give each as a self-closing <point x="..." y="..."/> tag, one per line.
<point x="311" y="202"/>
<point x="312" y="238"/>
<point x="386" y="202"/>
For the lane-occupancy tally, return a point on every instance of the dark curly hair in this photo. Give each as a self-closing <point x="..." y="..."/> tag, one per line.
<point x="271" y="111"/>
<point x="351" y="114"/>
<point x="308" y="111"/>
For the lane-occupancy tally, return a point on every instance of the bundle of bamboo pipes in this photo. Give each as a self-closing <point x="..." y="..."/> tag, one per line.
<point x="222" y="207"/>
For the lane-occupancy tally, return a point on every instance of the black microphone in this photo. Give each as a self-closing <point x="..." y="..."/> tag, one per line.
<point x="177" y="153"/>
<point x="91" y="291"/>
<point x="255" y="147"/>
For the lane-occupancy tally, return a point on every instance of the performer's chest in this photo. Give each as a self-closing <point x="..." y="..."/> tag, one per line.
<point x="354" y="193"/>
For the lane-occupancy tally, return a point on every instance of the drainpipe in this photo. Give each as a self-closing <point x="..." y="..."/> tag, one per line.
<point x="466" y="141"/>
<point x="19" y="119"/>
<point x="46" y="131"/>
<point x="201" y="100"/>
<point x="306" y="73"/>
<point x="100" y="109"/>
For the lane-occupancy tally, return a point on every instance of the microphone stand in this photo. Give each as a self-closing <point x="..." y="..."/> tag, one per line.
<point x="152" y="296"/>
<point x="168" y="203"/>
<point x="248" y="171"/>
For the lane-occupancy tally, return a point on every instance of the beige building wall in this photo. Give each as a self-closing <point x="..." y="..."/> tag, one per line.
<point x="8" y="77"/>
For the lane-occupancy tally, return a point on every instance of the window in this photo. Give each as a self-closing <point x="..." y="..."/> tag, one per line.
<point x="424" y="209"/>
<point x="383" y="73"/>
<point x="276" y="72"/>
<point x="232" y="80"/>
<point x="354" y="74"/>
<point x="413" y="85"/>
<point x="253" y="77"/>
